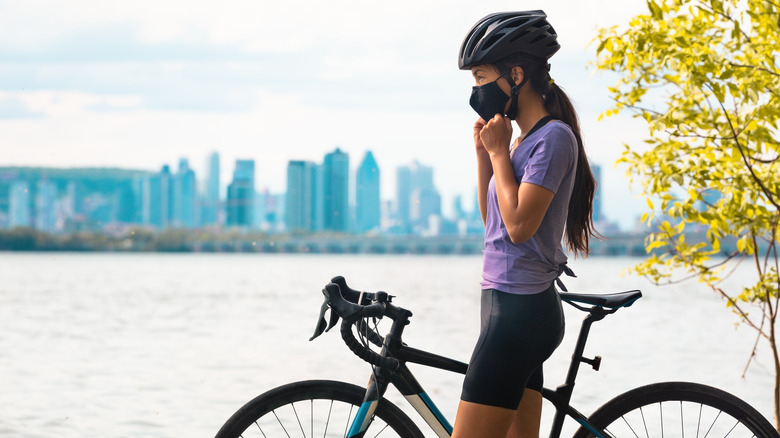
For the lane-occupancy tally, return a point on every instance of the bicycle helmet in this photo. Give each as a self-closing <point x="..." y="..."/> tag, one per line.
<point x="508" y="33"/>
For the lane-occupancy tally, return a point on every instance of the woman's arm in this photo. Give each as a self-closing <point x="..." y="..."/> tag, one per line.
<point x="522" y="206"/>
<point x="484" y="169"/>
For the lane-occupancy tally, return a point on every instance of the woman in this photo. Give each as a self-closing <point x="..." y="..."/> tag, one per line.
<point x="529" y="195"/>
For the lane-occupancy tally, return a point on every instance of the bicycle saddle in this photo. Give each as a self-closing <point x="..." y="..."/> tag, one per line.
<point x="611" y="301"/>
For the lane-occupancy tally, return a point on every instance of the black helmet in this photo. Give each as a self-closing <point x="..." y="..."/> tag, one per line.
<point x="508" y="33"/>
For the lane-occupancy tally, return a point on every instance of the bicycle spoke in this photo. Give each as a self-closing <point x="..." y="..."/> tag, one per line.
<point x="281" y="424"/>
<point x="297" y="417"/>
<point x="327" y="420"/>
<point x="712" y="424"/>
<point x="380" y="431"/>
<point x="260" y="428"/>
<point x="661" y="414"/>
<point x="349" y="417"/>
<point x="644" y="422"/>
<point x="629" y="427"/>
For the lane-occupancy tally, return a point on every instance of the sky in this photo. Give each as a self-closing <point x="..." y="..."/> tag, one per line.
<point x="142" y="83"/>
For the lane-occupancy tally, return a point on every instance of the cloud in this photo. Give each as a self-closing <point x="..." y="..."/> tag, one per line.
<point x="14" y="108"/>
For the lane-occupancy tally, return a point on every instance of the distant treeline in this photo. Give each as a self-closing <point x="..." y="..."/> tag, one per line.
<point x="29" y="239"/>
<point x="232" y="240"/>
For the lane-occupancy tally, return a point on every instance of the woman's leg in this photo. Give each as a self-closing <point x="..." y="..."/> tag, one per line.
<point x="483" y="421"/>
<point x="528" y="416"/>
<point x="475" y="420"/>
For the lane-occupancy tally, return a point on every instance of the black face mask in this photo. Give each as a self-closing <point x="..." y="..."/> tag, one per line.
<point x="488" y="100"/>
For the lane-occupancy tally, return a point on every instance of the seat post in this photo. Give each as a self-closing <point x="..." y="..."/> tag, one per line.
<point x="563" y="393"/>
<point x="595" y="314"/>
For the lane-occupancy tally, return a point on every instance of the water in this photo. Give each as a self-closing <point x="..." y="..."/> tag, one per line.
<point x="164" y="345"/>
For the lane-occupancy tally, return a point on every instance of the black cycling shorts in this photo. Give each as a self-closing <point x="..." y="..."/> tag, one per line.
<point x="518" y="333"/>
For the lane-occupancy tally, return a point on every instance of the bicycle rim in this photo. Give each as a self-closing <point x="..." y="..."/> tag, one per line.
<point x="316" y="408"/>
<point x="679" y="409"/>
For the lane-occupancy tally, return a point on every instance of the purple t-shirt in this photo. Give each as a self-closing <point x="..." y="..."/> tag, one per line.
<point x="547" y="158"/>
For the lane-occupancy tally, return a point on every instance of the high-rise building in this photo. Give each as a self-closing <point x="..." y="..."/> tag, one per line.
<point x="19" y="205"/>
<point x="241" y="194"/>
<point x="184" y="197"/>
<point x="45" y="200"/>
<point x="424" y="204"/>
<point x="210" y="207"/>
<point x="597" y="215"/>
<point x="155" y="194"/>
<point x="415" y="186"/>
<point x="301" y="211"/>
<point x="368" y="211"/>
<point x="75" y="196"/>
<point x="335" y="177"/>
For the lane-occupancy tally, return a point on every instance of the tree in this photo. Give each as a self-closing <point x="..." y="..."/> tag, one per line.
<point x="704" y="75"/>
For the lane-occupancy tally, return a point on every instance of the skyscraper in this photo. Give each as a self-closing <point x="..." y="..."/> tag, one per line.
<point x="19" y="205"/>
<point x="367" y="201"/>
<point x="156" y="198"/>
<point x="301" y="201"/>
<point x="45" y="200"/>
<point x="184" y="190"/>
<point x="596" y="170"/>
<point x="335" y="176"/>
<point x="209" y="215"/>
<point x="241" y="194"/>
<point x="415" y="187"/>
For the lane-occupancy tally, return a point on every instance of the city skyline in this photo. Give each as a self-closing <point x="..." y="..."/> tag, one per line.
<point x="131" y="85"/>
<point x="318" y="197"/>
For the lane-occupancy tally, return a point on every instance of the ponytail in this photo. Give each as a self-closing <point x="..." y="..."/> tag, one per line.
<point x="579" y="220"/>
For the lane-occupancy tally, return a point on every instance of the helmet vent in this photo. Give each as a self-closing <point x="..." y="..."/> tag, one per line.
<point x="493" y="40"/>
<point x="520" y="35"/>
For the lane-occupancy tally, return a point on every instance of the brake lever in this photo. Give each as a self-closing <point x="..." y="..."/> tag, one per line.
<point x="322" y="326"/>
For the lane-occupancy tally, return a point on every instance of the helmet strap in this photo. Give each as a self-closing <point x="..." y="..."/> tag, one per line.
<point x="512" y="114"/>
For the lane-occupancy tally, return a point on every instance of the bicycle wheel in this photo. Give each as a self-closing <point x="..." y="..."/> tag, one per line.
<point x="314" y="408"/>
<point x="678" y="409"/>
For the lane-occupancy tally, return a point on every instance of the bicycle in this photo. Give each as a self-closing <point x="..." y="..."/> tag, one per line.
<point x="331" y="408"/>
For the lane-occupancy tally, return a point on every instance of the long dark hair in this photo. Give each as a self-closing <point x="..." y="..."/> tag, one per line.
<point x="579" y="219"/>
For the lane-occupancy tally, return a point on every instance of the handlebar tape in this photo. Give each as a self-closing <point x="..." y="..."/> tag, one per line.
<point x="363" y="352"/>
<point x="351" y="313"/>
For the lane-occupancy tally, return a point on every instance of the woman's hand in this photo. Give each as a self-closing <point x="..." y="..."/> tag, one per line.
<point x="478" y="125"/>
<point x="495" y="135"/>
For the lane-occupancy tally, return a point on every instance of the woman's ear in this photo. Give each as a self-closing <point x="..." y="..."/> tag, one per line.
<point x="517" y="74"/>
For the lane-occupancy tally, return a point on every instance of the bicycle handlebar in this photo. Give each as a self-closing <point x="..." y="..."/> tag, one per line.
<point x="351" y="309"/>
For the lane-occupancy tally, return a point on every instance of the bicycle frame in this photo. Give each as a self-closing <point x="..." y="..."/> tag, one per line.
<point x="408" y="386"/>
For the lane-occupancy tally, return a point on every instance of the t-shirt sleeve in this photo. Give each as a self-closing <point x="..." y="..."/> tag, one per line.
<point x="553" y="157"/>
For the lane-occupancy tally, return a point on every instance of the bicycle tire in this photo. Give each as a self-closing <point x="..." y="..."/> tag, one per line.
<point x="678" y="409"/>
<point x="311" y="408"/>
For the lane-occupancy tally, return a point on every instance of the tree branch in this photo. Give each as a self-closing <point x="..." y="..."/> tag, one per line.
<point x="733" y="302"/>
<point x="753" y="67"/>
<point x="770" y="196"/>
<point x="728" y="18"/>
<point x="754" y="349"/>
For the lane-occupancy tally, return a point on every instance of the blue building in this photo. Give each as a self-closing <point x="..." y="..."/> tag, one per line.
<point x="418" y="198"/>
<point x="302" y="194"/>
<point x="335" y="176"/>
<point x="155" y="198"/>
<point x="241" y="195"/>
<point x="184" y="197"/>
<point x="45" y="206"/>
<point x="211" y="199"/>
<point x="19" y="205"/>
<point x="368" y="211"/>
<point x="597" y="215"/>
